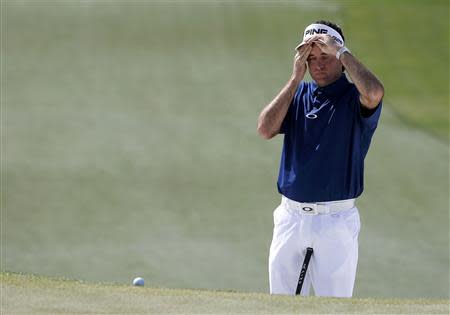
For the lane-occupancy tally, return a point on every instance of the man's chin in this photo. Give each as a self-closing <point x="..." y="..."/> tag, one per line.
<point x="321" y="80"/>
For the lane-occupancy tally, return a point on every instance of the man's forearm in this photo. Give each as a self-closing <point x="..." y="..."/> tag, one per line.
<point x="271" y="117"/>
<point x="370" y="88"/>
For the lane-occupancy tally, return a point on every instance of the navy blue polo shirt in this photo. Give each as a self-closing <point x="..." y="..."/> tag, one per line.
<point x="326" y="138"/>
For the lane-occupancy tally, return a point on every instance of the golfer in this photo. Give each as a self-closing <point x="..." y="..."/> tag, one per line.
<point x="328" y="124"/>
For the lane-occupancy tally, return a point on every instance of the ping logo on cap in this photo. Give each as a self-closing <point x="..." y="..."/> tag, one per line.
<point x="315" y="29"/>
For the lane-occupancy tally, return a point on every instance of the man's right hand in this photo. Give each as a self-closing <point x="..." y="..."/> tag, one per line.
<point x="300" y="58"/>
<point x="272" y="116"/>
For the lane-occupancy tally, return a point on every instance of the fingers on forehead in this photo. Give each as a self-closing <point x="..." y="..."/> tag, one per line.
<point x="318" y="38"/>
<point x="314" y="37"/>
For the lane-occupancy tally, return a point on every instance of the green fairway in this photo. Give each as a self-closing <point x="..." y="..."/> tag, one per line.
<point x="40" y="295"/>
<point x="407" y="43"/>
<point x="130" y="145"/>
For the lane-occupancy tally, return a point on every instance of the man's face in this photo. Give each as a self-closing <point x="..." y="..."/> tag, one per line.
<point x="324" y="69"/>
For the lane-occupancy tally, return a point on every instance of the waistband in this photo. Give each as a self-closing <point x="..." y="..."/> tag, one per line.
<point x="328" y="207"/>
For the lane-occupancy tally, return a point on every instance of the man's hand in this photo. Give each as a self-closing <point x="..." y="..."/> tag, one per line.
<point x="271" y="117"/>
<point x="300" y="58"/>
<point x="326" y="43"/>
<point x="370" y="89"/>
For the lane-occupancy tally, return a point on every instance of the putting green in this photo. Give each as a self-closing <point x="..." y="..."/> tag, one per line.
<point x="39" y="295"/>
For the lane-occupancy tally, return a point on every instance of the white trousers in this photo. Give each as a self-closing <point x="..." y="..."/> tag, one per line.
<point x="334" y="239"/>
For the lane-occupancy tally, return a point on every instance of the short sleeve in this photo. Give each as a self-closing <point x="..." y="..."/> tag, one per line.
<point x="287" y="121"/>
<point x="370" y="120"/>
<point x="368" y="117"/>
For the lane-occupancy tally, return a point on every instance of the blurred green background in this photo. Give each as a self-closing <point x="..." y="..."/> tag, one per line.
<point x="130" y="145"/>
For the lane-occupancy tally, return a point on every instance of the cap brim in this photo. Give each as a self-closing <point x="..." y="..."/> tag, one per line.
<point x="300" y="45"/>
<point x="303" y="43"/>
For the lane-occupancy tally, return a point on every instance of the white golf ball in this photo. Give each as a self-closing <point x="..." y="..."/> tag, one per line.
<point x="138" y="282"/>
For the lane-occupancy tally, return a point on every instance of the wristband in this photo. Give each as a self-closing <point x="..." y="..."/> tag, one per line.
<point x="341" y="50"/>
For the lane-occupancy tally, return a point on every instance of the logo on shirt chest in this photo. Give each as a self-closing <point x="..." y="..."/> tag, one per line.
<point x="313" y="114"/>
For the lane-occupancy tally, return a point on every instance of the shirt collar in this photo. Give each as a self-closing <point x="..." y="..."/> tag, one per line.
<point x="331" y="89"/>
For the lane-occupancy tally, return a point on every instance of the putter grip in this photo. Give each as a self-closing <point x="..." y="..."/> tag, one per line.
<point x="309" y="252"/>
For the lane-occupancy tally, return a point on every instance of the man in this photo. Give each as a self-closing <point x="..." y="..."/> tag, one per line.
<point x="327" y="125"/>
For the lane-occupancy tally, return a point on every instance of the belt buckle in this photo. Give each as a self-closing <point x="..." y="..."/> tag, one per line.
<point x="309" y="209"/>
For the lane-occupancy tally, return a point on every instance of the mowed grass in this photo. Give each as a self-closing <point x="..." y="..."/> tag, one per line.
<point x="130" y="146"/>
<point x="32" y="294"/>
<point x="407" y="44"/>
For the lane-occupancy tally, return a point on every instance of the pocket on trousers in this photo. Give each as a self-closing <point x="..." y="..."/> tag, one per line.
<point x="353" y="222"/>
<point x="276" y="215"/>
<point x="280" y="216"/>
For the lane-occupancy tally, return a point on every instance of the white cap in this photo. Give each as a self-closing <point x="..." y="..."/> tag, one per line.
<point x="315" y="29"/>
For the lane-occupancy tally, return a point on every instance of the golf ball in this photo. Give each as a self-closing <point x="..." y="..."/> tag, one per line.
<point x="138" y="282"/>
